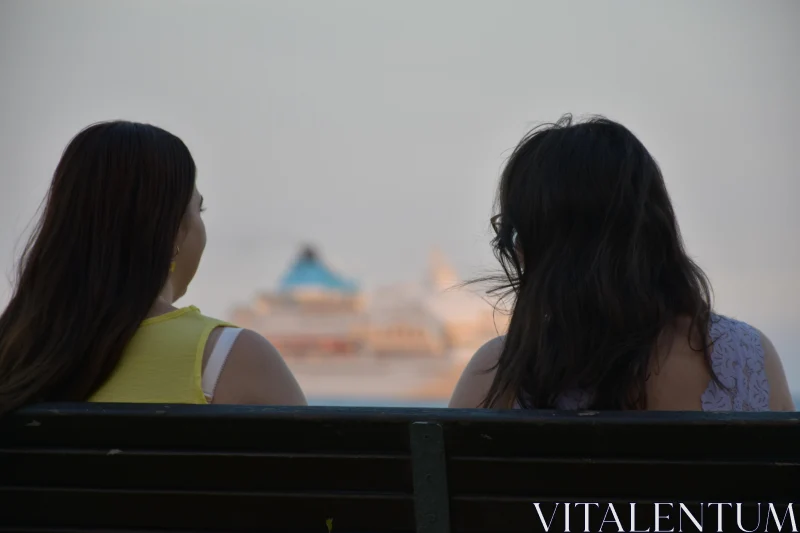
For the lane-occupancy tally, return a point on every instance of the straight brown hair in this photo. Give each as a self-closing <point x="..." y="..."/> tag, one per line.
<point x="95" y="263"/>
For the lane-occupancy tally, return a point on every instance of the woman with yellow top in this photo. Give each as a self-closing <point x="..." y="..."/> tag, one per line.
<point x="92" y="318"/>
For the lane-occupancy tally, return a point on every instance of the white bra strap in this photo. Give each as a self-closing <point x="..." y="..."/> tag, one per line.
<point x="216" y="361"/>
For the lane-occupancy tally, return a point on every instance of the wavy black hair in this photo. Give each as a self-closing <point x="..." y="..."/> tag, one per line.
<point x="594" y="261"/>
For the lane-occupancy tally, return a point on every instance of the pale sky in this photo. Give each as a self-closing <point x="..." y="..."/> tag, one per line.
<point x="378" y="129"/>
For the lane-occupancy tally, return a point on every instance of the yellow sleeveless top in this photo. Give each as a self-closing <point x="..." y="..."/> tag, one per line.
<point x="163" y="362"/>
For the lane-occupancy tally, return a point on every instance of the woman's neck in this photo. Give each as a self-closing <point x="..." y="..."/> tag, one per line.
<point x="164" y="302"/>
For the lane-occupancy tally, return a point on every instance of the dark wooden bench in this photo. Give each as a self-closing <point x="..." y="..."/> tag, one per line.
<point x="91" y="467"/>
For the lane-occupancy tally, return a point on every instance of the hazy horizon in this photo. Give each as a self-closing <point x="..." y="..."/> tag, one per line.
<point x="377" y="130"/>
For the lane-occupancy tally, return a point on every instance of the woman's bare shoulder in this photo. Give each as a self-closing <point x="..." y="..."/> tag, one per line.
<point x="487" y="355"/>
<point x="255" y="373"/>
<point x="477" y="377"/>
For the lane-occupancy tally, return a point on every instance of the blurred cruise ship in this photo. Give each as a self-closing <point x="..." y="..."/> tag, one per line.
<point x="409" y="340"/>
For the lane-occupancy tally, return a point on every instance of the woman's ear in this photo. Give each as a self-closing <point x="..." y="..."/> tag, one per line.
<point x="182" y="233"/>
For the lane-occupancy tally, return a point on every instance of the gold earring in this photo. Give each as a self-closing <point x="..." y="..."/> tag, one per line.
<point x="172" y="265"/>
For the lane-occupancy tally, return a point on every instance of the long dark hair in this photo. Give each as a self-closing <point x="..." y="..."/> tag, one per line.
<point x="594" y="261"/>
<point x="95" y="263"/>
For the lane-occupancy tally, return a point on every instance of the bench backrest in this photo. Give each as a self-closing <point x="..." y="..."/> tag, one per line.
<point x="110" y="467"/>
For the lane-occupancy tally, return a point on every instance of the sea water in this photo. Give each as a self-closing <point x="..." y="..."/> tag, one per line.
<point x="374" y="402"/>
<point x="389" y="402"/>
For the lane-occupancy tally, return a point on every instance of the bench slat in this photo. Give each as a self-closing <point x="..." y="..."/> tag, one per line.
<point x="668" y="480"/>
<point x="199" y="511"/>
<point x="198" y="471"/>
<point x="635" y="440"/>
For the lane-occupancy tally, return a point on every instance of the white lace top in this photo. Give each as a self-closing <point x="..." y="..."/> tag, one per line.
<point x="737" y="358"/>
